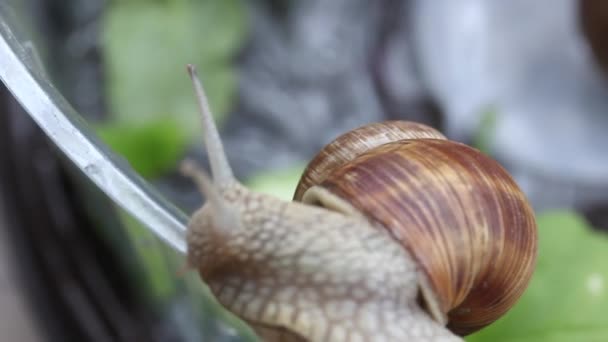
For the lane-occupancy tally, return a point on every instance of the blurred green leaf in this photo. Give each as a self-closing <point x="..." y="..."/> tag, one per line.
<point x="567" y="299"/>
<point x="147" y="45"/>
<point x="152" y="148"/>
<point x="280" y="183"/>
<point x="482" y="139"/>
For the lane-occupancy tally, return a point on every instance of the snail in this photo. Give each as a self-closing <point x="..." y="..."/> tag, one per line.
<point x="395" y="234"/>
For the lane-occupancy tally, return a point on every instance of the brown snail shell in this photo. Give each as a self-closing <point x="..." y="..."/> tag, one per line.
<point x="350" y="145"/>
<point x="457" y="211"/>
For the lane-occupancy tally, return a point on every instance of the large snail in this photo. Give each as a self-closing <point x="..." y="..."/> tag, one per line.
<point x="395" y="234"/>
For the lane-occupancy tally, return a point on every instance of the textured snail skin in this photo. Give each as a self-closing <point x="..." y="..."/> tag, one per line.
<point x="301" y="273"/>
<point x="352" y="266"/>
<point x="458" y="212"/>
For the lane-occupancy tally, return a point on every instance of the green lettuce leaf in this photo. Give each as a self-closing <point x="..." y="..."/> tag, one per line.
<point x="280" y="183"/>
<point x="567" y="299"/>
<point x="146" y="46"/>
<point x="152" y="148"/>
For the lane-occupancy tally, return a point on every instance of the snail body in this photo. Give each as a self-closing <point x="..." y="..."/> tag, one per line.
<point x="394" y="233"/>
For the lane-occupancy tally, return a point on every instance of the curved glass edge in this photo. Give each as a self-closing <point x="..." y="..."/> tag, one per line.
<point x="22" y="73"/>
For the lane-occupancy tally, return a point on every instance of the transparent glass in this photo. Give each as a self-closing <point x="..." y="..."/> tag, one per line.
<point x="22" y="73"/>
<point x="187" y="304"/>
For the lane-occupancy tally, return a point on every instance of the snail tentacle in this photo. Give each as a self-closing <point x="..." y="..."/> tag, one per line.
<point x="220" y="168"/>
<point x="395" y="234"/>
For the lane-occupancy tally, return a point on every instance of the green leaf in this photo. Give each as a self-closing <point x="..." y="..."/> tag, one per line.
<point x="567" y="299"/>
<point x="482" y="139"/>
<point x="147" y="45"/>
<point x="280" y="183"/>
<point x="152" y="148"/>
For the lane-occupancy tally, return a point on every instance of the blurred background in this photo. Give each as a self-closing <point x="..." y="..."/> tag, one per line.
<point x="526" y="82"/>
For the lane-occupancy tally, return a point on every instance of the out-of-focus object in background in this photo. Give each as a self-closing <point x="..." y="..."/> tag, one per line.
<point x="594" y="25"/>
<point x="16" y="319"/>
<point x="527" y="62"/>
<point x="315" y="69"/>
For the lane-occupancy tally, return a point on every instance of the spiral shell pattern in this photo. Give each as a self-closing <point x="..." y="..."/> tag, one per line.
<point x="457" y="211"/>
